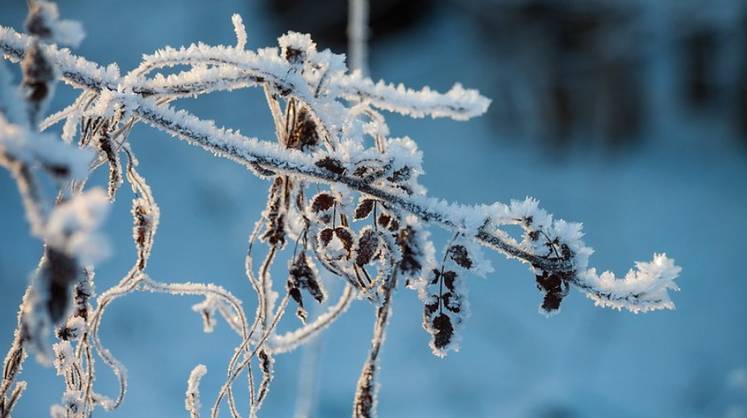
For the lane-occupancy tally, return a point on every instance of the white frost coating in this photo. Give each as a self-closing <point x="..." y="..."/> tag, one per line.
<point x="76" y="327"/>
<point x="300" y="42"/>
<point x="331" y="118"/>
<point x="458" y="103"/>
<point x="86" y="73"/>
<point x="57" y="411"/>
<point x="72" y="400"/>
<point x="643" y="289"/>
<point x="213" y="304"/>
<point x="64" y="357"/>
<point x="73" y="226"/>
<point x="192" y="398"/>
<point x="240" y="30"/>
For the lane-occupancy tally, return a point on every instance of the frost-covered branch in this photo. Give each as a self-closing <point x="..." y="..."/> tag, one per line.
<point x="367" y="223"/>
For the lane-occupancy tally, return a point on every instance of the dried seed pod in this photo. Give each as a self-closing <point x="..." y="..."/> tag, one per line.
<point x="302" y="276"/>
<point x="104" y="143"/>
<point x="304" y="134"/>
<point x="266" y="366"/>
<point x="142" y="230"/>
<point x="275" y="214"/>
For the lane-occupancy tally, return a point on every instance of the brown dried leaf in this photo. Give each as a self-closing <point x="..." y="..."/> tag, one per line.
<point x="302" y="276"/>
<point x="400" y="175"/>
<point x="331" y="164"/>
<point x="364" y="209"/>
<point x="459" y="254"/>
<point x="443" y="331"/>
<point x="322" y="202"/>
<point x="555" y="287"/>
<point x="368" y="245"/>
<point x="304" y="134"/>
<point x="409" y="263"/>
<point x="346" y="236"/>
<point x="325" y="236"/>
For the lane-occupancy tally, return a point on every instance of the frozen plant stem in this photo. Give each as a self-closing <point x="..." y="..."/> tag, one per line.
<point x="358" y="34"/>
<point x="344" y="202"/>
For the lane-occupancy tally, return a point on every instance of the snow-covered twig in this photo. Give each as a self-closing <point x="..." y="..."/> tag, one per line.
<point x="367" y="223"/>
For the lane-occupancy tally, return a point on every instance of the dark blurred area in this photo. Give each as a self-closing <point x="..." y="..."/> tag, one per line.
<point x="581" y="71"/>
<point x="327" y="20"/>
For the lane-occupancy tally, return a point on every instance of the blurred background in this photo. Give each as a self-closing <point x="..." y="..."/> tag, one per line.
<point x="627" y="115"/>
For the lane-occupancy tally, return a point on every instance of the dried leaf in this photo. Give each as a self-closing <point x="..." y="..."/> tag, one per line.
<point x="322" y="202"/>
<point x="400" y="175"/>
<point x="410" y="263"/>
<point x="325" y="236"/>
<point x="444" y="331"/>
<point x="304" y="134"/>
<point x="346" y="236"/>
<point x="331" y="164"/>
<point x="459" y="254"/>
<point x="364" y="208"/>
<point x="369" y="243"/>
<point x="555" y="286"/>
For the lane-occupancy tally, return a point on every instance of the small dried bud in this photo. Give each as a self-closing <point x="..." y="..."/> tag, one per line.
<point x="296" y="48"/>
<point x="274" y="212"/>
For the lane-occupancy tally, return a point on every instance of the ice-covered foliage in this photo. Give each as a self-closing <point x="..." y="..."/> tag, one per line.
<point x="366" y="222"/>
